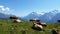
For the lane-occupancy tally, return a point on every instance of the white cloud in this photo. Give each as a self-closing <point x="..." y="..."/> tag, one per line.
<point x="3" y="8"/>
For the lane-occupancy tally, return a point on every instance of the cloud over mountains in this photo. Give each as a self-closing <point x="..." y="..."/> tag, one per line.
<point x="3" y="8"/>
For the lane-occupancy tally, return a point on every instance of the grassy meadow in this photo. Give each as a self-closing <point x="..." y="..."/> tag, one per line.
<point x="9" y="27"/>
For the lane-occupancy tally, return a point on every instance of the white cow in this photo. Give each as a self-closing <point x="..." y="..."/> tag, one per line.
<point x="38" y="26"/>
<point x="17" y="20"/>
<point x="43" y="24"/>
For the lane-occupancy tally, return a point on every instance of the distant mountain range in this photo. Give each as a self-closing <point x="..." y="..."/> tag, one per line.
<point x="50" y="17"/>
<point x="4" y="16"/>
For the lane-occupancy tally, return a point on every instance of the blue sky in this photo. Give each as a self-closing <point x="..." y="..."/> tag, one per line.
<point x="24" y="7"/>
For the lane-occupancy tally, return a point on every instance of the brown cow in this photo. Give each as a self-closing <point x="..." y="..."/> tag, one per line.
<point x="54" y="31"/>
<point x="17" y="21"/>
<point x="13" y="17"/>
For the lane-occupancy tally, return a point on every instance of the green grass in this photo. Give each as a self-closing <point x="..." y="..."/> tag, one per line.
<point x="8" y="27"/>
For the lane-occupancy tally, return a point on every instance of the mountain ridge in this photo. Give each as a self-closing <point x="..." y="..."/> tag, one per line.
<point x="51" y="16"/>
<point x="47" y="17"/>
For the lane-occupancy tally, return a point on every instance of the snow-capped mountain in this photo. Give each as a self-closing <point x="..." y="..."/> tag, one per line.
<point x="50" y="17"/>
<point x="31" y="15"/>
<point x="47" y="17"/>
<point x="55" y="18"/>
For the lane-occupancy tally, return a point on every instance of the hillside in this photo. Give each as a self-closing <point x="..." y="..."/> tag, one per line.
<point x="8" y="27"/>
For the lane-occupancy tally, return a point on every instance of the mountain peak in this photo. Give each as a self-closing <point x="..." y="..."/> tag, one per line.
<point x="33" y="13"/>
<point x="55" y="11"/>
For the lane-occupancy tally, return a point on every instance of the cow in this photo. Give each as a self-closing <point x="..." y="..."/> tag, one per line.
<point x="54" y="31"/>
<point x="17" y="21"/>
<point x="58" y="21"/>
<point x="37" y="27"/>
<point x="43" y="24"/>
<point x="13" y="17"/>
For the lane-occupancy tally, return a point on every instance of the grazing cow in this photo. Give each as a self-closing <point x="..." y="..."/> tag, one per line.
<point x="17" y="21"/>
<point x="40" y="26"/>
<point x="37" y="26"/>
<point x="13" y="17"/>
<point x="58" y="21"/>
<point x="34" y="20"/>
<point x="54" y="31"/>
<point x="43" y="24"/>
